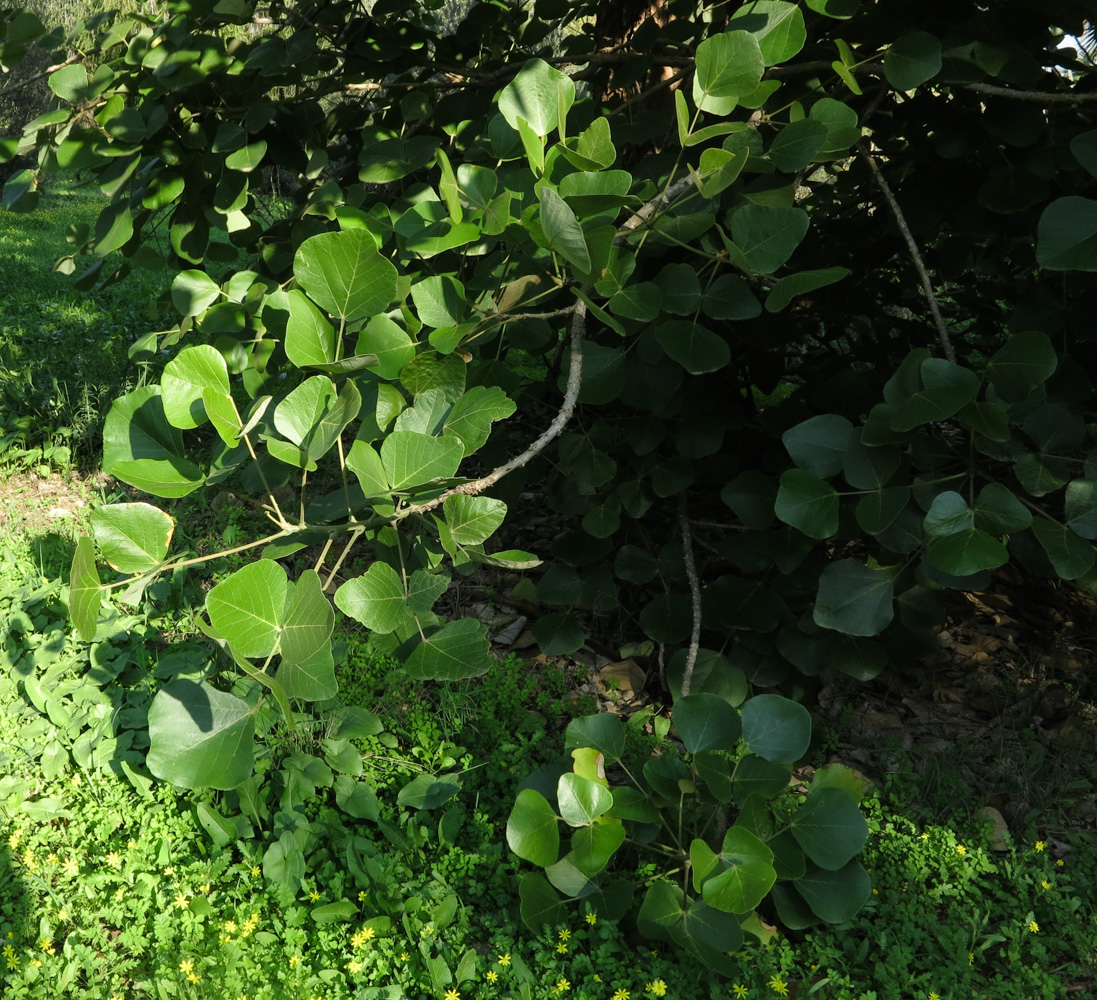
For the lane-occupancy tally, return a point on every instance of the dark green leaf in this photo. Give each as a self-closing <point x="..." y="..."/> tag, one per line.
<point x="706" y="722"/>
<point x="1071" y="556"/>
<point x="967" y="552"/>
<point x="853" y="599"/>
<point x="807" y="503"/>
<point x="819" y="445"/>
<point x="912" y="60"/>
<point x="1066" y="236"/>
<point x="775" y="728"/>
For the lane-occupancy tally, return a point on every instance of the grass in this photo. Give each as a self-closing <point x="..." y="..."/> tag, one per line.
<point x="114" y="885"/>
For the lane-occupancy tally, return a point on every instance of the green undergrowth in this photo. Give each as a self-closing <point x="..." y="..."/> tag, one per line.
<point x="63" y="353"/>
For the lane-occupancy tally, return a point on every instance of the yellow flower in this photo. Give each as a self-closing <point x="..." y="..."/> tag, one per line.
<point x="492" y="975"/>
<point x="193" y="977"/>
<point x="504" y="959"/>
<point x="562" y="985"/>
<point x="876" y="892"/>
<point x="62" y="914"/>
<point x="739" y="990"/>
<point x="181" y="902"/>
<point x="657" y="988"/>
<point x="452" y="995"/>
<point x="621" y="995"/>
<point x="1034" y="927"/>
<point x="131" y="845"/>
<point x="1039" y="845"/>
<point x="255" y="870"/>
<point x="294" y="961"/>
<point x="925" y="836"/>
<point x="362" y="936"/>
<point x="778" y="985"/>
<point x="230" y="926"/>
<point x="118" y="894"/>
<point x="362" y="896"/>
<point x="960" y="849"/>
<point x="114" y="859"/>
<point x="46" y="944"/>
<point x="36" y="962"/>
<point x="70" y="866"/>
<point x="934" y="996"/>
<point x="1045" y="884"/>
<point x="971" y="958"/>
<point x="51" y="858"/>
<point x="591" y="918"/>
<point x="186" y="965"/>
<point x="597" y="978"/>
<point x="354" y="966"/>
<point x="29" y="860"/>
<point x="565" y="935"/>
<point x="13" y="840"/>
<point x="1059" y="863"/>
<point x="314" y="895"/>
<point x="204" y="888"/>
<point x="405" y="957"/>
<point x="561" y="948"/>
<point x="13" y="962"/>
<point x="169" y="871"/>
<point x="75" y="781"/>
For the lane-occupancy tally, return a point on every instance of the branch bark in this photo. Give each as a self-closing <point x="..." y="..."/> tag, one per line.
<point x="559" y="422"/>
<point x="694" y="593"/>
<point x="1039" y="96"/>
<point x="915" y="254"/>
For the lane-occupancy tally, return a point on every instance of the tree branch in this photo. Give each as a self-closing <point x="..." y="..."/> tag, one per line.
<point x="567" y="408"/>
<point x="657" y="203"/>
<point x="694" y="593"/>
<point x="1039" y="96"/>
<point x="916" y="256"/>
<point x="23" y="84"/>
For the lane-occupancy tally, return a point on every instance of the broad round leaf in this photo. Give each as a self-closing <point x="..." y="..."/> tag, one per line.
<point x="1071" y="555"/>
<point x="775" y="728"/>
<point x="808" y="503"/>
<point x="835" y="896"/>
<point x="307" y="670"/>
<point x="186" y="377"/>
<point x="538" y="94"/>
<point x="854" y="599"/>
<point x="1023" y="362"/>
<point x="412" y="459"/>
<point x="912" y="60"/>
<point x="793" y="148"/>
<point x="200" y="737"/>
<point x="706" y="722"/>
<point x="999" y="512"/>
<point x="729" y="66"/>
<point x="532" y="830"/>
<point x="778" y="26"/>
<point x="1066" y="236"/>
<point x="767" y="235"/>
<point x="248" y="607"/>
<point x="582" y="800"/>
<point x="457" y="651"/>
<point x="133" y="537"/>
<point x="344" y="274"/>
<point x="966" y="552"/>
<point x="829" y="827"/>
<point x="310" y="338"/>
<point x="85" y="594"/>
<point x="540" y="904"/>
<point x="376" y="598"/>
<point x="428" y="791"/>
<point x="593" y="847"/>
<point x="602" y="732"/>
<point x="819" y="445"/>
<point x="744" y="873"/>
<point x="948" y="514"/>
<point x="192" y="292"/>
<point x="1080" y="507"/>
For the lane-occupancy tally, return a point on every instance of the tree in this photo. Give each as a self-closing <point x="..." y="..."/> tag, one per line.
<point x="821" y="271"/>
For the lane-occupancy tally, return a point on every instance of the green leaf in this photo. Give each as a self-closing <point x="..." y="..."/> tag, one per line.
<point x="429" y="791"/>
<point x="835" y="8"/>
<point x="696" y="348"/>
<point x="70" y="83"/>
<point x="248" y="607"/>
<point x="389" y="342"/>
<point x="1025" y="361"/>
<point x="730" y="297"/>
<point x="133" y="537"/>
<point x="912" y="60"/>
<point x="775" y="728"/>
<point x="539" y="95"/>
<point x="999" y="512"/>
<point x="458" y="651"/>
<point x="248" y="158"/>
<point x="778" y="26"/>
<point x="540" y="906"/>
<point x="582" y="800"/>
<point x="591" y="192"/>
<point x="331" y="913"/>
<point x="602" y="732"/>
<point x="743" y="872"/>
<point x="558" y="634"/>
<point x="141" y="448"/>
<point x="593" y="150"/>
<point x="966" y="552"/>
<point x="376" y="598"/>
<point x="344" y="274"/>
<point x="413" y="459"/>
<point x="186" y="378"/>
<point x="84" y="589"/>
<point x="1041" y="474"/>
<point x="842" y="127"/>
<point x="829" y="827"/>
<point x="1066" y="235"/>
<point x="593" y="847"/>
<point x="853" y="599"/>
<point x="200" y="737"/>
<point x="472" y="520"/>
<point x="113" y="229"/>
<point x="729" y="66"/>
<point x="193" y="292"/>
<point x="1071" y="556"/>
<point x="948" y="514"/>
<point x="988" y="419"/>
<point x="310" y="338"/>
<point x="782" y="293"/>
<point x="751" y="496"/>
<point x="473" y="414"/>
<point x="660" y="911"/>
<point x="307" y="670"/>
<point x="835" y="896"/>
<point x="440" y="301"/>
<point x="532" y="830"/>
<point x="807" y="503"/>
<point x="869" y="468"/>
<point x="946" y="389"/>
<point x="1080" y="508"/>
<point x="706" y="722"/>
<point x="562" y="230"/>
<point x="431" y="370"/>
<point x="794" y="147"/>
<point x="767" y="235"/>
<point x="356" y="798"/>
<point x="819" y="445"/>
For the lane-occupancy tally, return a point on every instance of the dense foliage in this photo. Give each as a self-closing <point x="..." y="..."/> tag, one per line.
<point x="687" y="245"/>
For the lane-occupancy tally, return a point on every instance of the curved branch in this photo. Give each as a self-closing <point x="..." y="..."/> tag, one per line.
<point x="915" y="254"/>
<point x="567" y="408"/>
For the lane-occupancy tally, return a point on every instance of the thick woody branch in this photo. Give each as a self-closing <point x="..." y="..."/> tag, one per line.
<point x="1037" y="96"/>
<point x="915" y="255"/>
<point x="657" y="204"/>
<point x="694" y="593"/>
<point x="553" y="431"/>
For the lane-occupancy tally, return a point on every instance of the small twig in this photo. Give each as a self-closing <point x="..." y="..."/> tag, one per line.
<point x="916" y="256"/>
<point x="23" y="84"/>
<point x="1039" y="96"/>
<point x="567" y="408"/>
<point x="643" y="214"/>
<point x="694" y="593"/>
